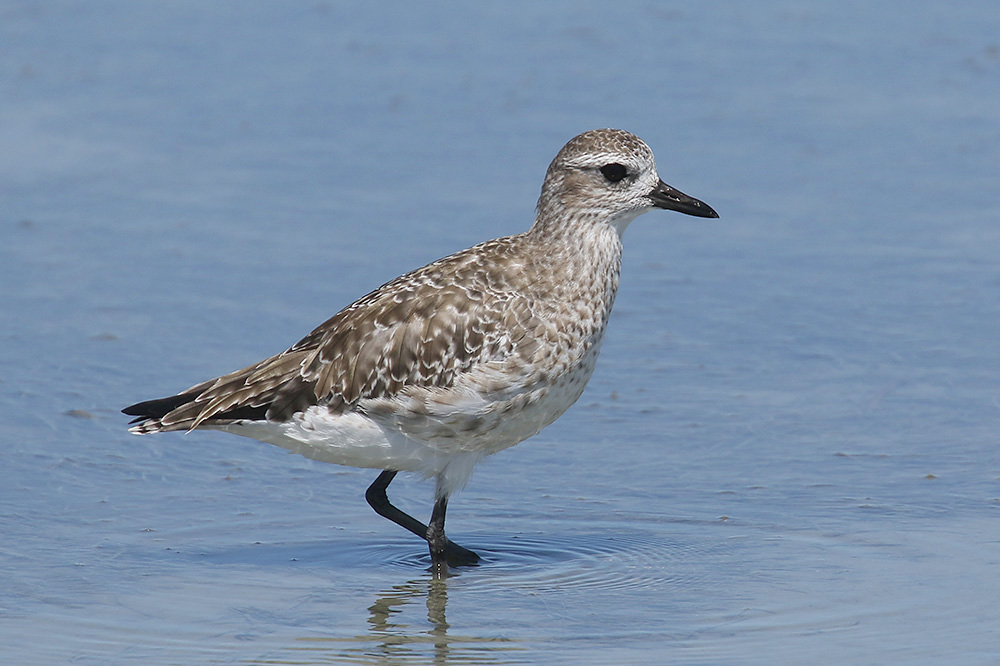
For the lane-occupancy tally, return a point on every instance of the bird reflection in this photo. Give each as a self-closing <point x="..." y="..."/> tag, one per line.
<point x="399" y="645"/>
<point x="398" y="636"/>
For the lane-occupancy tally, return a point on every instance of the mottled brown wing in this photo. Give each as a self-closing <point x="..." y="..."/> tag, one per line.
<point x="420" y="336"/>
<point x="421" y="329"/>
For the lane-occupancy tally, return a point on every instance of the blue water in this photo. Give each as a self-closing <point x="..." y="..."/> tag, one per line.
<point x="788" y="453"/>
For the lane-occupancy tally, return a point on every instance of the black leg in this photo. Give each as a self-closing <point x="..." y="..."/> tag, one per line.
<point x="455" y="555"/>
<point x="379" y="501"/>
<point x="436" y="539"/>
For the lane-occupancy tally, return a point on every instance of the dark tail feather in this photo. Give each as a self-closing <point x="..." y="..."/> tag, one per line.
<point x="157" y="409"/>
<point x="150" y="414"/>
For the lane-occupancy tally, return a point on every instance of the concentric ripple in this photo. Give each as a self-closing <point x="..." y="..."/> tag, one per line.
<point x="635" y="560"/>
<point x="609" y="556"/>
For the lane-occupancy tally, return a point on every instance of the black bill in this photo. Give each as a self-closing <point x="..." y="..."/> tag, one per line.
<point x="664" y="196"/>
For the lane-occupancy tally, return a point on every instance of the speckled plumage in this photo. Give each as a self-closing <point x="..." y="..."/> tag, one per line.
<point x="461" y="358"/>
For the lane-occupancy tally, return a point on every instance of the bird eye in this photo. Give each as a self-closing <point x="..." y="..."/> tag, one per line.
<point x="614" y="172"/>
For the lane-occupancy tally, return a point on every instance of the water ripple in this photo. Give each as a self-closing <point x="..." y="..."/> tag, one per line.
<point x="577" y="561"/>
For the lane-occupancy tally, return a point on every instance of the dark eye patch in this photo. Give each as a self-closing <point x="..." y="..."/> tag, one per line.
<point x="614" y="172"/>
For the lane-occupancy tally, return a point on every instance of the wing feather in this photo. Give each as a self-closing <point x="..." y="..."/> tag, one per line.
<point x="422" y="329"/>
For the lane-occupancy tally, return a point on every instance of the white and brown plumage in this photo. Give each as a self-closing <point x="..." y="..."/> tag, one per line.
<point x="459" y="359"/>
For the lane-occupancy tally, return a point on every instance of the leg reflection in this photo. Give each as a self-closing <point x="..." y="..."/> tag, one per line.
<point x="400" y="640"/>
<point x="398" y="636"/>
<point x="437" y="603"/>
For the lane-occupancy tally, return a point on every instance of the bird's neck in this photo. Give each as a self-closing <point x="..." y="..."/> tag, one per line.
<point x="580" y="258"/>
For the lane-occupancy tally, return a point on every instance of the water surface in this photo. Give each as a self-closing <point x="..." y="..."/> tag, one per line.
<point x="788" y="453"/>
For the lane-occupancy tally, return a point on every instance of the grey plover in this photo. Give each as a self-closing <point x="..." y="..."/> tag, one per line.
<point x="457" y="360"/>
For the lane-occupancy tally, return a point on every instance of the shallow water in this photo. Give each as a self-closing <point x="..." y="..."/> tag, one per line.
<point x="788" y="453"/>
